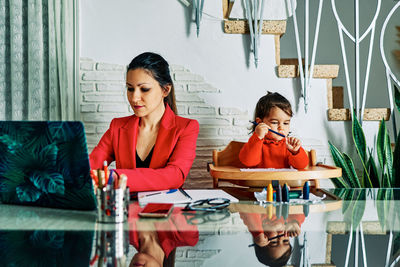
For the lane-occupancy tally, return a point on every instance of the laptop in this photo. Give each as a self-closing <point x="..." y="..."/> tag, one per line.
<point x="45" y="163"/>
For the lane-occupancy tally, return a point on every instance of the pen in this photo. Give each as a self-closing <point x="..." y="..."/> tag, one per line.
<point x="100" y="175"/>
<point x="184" y="192"/>
<point x="110" y="179"/>
<point x="158" y="193"/>
<point x="275" y="132"/>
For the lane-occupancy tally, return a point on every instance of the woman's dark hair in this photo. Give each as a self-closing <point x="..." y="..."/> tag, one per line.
<point x="269" y="101"/>
<point x="263" y="256"/>
<point x="156" y="66"/>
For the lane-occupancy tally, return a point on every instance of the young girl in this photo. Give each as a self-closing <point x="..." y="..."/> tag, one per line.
<point x="266" y="149"/>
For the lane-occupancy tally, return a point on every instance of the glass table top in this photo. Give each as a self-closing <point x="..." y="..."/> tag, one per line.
<point x="348" y="227"/>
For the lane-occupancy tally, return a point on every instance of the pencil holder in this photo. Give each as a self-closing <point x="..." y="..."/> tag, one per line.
<point x="112" y="242"/>
<point x="112" y="205"/>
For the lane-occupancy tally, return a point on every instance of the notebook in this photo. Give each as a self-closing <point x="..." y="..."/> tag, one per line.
<point x="45" y="163"/>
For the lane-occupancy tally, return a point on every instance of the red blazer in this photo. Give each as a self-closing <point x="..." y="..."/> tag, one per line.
<point x="173" y="154"/>
<point x="172" y="233"/>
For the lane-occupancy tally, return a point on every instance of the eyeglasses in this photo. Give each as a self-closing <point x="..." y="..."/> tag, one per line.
<point x="210" y="204"/>
<point x="196" y="218"/>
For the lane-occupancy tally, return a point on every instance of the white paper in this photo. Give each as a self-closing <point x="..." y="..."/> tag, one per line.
<point x="178" y="197"/>
<point x="197" y="194"/>
<point x="163" y="197"/>
<point x="268" y="170"/>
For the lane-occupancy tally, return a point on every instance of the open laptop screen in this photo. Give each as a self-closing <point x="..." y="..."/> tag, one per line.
<point x="45" y="164"/>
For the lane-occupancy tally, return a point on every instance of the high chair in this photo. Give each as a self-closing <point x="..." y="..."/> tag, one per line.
<point x="226" y="167"/>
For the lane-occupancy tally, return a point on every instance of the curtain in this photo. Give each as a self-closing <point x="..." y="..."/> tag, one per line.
<point x="37" y="59"/>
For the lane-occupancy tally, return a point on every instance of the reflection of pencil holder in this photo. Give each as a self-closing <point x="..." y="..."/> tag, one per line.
<point x="112" y="243"/>
<point x="112" y="205"/>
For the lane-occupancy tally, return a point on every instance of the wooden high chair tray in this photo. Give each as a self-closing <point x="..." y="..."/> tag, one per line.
<point x="319" y="171"/>
<point x="330" y="203"/>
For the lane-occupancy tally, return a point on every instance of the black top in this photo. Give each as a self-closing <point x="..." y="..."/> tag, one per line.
<point x="144" y="163"/>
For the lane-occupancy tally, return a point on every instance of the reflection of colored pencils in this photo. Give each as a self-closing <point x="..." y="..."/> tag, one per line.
<point x="275" y="132"/>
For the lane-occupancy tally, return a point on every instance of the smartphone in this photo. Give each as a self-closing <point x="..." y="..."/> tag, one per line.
<point x="156" y="210"/>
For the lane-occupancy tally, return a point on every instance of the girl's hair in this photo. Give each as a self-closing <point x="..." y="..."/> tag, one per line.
<point x="156" y="66"/>
<point x="262" y="254"/>
<point x="269" y="101"/>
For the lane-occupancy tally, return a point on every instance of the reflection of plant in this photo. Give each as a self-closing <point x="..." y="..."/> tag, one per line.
<point x="388" y="176"/>
<point x="354" y="201"/>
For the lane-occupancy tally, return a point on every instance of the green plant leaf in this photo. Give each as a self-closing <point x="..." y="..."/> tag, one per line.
<point x="27" y="193"/>
<point x="380" y="144"/>
<point x="52" y="183"/>
<point x="385" y="180"/>
<point x="397" y="97"/>
<point x="359" y="139"/>
<point x="339" y="160"/>
<point x="373" y="171"/>
<point x="396" y="166"/>
<point x="339" y="192"/>
<point x="389" y="159"/>
<point x="358" y="209"/>
<point x="361" y="146"/>
<point x="352" y="172"/>
<point x="339" y="182"/>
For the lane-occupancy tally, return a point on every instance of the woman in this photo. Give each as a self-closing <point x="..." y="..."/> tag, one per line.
<point x="155" y="148"/>
<point x="156" y="241"/>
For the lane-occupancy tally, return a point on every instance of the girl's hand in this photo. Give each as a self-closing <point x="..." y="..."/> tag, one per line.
<point x="293" y="145"/>
<point x="261" y="240"/>
<point x="261" y="130"/>
<point x="292" y="229"/>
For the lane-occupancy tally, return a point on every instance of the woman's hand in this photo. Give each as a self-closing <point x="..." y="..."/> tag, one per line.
<point x="293" y="144"/>
<point x="261" y="130"/>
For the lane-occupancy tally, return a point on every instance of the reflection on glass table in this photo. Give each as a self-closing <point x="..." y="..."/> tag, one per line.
<point x="361" y="228"/>
<point x="45" y="248"/>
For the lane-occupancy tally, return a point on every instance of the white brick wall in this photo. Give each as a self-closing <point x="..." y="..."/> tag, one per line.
<point x="103" y="97"/>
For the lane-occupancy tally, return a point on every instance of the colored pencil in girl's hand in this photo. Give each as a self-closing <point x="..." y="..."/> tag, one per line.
<point x="275" y="132"/>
